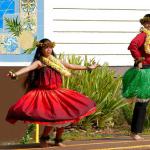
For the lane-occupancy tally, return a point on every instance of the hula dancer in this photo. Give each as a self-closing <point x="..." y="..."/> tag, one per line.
<point x="136" y="80"/>
<point x="46" y="102"/>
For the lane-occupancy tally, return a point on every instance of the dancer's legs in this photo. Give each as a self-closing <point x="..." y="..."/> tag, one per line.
<point x="45" y="136"/>
<point x="138" y="119"/>
<point x="46" y="131"/>
<point x="58" y="139"/>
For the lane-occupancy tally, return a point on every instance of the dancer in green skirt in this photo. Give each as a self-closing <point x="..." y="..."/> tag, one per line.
<point x="136" y="80"/>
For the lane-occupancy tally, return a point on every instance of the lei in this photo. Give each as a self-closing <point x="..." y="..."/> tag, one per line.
<point x="147" y="41"/>
<point x="56" y="64"/>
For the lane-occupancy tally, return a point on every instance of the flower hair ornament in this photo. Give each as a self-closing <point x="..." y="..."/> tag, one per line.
<point x="45" y="45"/>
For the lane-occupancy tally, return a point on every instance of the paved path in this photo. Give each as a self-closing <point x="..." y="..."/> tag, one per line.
<point x="114" y="143"/>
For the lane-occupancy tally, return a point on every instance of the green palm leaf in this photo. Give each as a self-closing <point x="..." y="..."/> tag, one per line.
<point x="13" y="25"/>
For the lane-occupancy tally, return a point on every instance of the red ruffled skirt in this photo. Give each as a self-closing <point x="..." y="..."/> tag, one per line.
<point x="51" y="107"/>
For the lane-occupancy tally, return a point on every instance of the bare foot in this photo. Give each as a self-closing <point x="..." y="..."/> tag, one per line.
<point x="60" y="144"/>
<point x="136" y="137"/>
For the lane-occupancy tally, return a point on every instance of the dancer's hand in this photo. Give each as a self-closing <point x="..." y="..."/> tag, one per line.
<point x="93" y="66"/>
<point x="12" y="75"/>
<point x="140" y="65"/>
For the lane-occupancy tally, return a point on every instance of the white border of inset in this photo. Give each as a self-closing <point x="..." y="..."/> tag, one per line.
<point x="5" y="64"/>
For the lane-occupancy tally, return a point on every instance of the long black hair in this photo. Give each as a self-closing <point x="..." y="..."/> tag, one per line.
<point x="29" y="82"/>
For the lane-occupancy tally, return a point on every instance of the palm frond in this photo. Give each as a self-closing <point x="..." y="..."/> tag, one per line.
<point x="13" y="25"/>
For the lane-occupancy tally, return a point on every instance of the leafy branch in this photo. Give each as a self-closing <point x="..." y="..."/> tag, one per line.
<point x="26" y="138"/>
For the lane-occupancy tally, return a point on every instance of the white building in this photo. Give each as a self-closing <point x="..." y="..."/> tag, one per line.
<point x="101" y="29"/>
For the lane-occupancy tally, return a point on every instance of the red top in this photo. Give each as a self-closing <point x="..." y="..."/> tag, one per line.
<point x="48" y="78"/>
<point x="137" y="48"/>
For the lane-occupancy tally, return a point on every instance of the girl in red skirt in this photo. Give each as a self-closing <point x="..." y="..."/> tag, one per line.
<point x="46" y="102"/>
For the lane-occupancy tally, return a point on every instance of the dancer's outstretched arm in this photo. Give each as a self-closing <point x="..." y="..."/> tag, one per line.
<point x="23" y="70"/>
<point x="79" y="67"/>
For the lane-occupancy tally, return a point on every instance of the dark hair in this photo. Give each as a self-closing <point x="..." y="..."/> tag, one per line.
<point x="29" y="82"/>
<point x="146" y="18"/>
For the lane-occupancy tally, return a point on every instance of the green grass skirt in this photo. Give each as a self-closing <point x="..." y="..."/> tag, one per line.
<point x="136" y="83"/>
